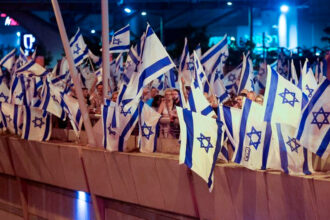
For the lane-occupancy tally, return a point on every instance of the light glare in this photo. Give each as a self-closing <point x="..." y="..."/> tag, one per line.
<point x="127" y="10"/>
<point x="284" y="8"/>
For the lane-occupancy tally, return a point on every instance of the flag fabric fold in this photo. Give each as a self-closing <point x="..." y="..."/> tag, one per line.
<point x="148" y="128"/>
<point x="283" y="100"/>
<point x="201" y="140"/>
<point x="36" y="124"/>
<point x="120" y="40"/>
<point x="314" y="128"/>
<point x="79" y="48"/>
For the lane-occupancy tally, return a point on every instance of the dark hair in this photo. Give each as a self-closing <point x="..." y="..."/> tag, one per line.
<point x="156" y="102"/>
<point x="242" y="94"/>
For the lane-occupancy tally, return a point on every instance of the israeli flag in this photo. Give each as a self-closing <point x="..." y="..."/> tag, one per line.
<point x="198" y="50"/>
<point x="274" y="65"/>
<point x="314" y="128"/>
<point x="126" y="119"/>
<point x="294" y="158"/>
<point x="49" y="101"/>
<point x="32" y="69"/>
<point x="8" y="61"/>
<point x="96" y="59"/>
<point x="307" y="82"/>
<point x="283" y="100"/>
<point x="282" y="65"/>
<point x="200" y="76"/>
<point x="139" y="46"/>
<point x="108" y="123"/>
<point x="184" y="59"/>
<point x="246" y="81"/>
<point x="120" y="40"/>
<point x="131" y="63"/>
<point x="184" y="69"/>
<point x="232" y="78"/>
<point x="18" y="91"/>
<point x="254" y="138"/>
<point x="320" y="70"/>
<point x="11" y="117"/>
<point x="148" y="128"/>
<point x="209" y="59"/>
<point x="216" y="83"/>
<point x="61" y="68"/>
<point x="159" y="83"/>
<point x="198" y="102"/>
<point x="99" y="76"/>
<point x="172" y="78"/>
<point x="119" y="71"/>
<point x="262" y="75"/>
<point x="231" y="118"/>
<point x="293" y="74"/>
<point x="4" y="91"/>
<point x="32" y="95"/>
<point x="37" y="124"/>
<point x="22" y="59"/>
<point x="201" y="140"/>
<point x="154" y="63"/>
<point x="79" y="48"/>
<point x="70" y="106"/>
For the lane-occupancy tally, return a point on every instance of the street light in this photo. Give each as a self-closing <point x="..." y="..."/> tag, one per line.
<point x="284" y="8"/>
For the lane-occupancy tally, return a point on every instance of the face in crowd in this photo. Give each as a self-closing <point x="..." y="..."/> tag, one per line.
<point x="175" y="95"/>
<point x="168" y="95"/>
<point x="153" y="92"/>
<point x="99" y="89"/>
<point x="146" y="94"/>
<point x="114" y="96"/>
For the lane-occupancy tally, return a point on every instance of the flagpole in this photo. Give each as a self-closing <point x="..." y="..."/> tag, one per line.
<point x="105" y="46"/>
<point x="73" y="73"/>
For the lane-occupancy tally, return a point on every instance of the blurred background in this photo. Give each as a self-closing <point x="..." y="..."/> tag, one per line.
<point x="300" y="28"/>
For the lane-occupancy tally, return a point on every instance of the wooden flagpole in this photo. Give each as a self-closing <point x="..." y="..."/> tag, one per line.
<point x="105" y="46"/>
<point x="74" y="74"/>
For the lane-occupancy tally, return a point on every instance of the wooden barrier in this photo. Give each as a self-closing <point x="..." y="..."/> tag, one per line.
<point x="158" y="182"/>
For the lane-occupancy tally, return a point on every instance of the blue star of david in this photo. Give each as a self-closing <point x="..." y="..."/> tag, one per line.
<point x="116" y="41"/>
<point x="310" y="90"/>
<point x="325" y="118"/>
<point x="111" y="132"/>
<point x="77" y="49"/>
<point x="202" y="140"/>
<point x="293" y="141"/>
<point x="285" y="99"/>
<point x="146" y="131"/>
<point x="125" y="113"/>
<point x="2" y="95"/>
<point x="191" y="65"/>
<point x="8" y="118"/>
<point x="20" y="96"/>
<point x="218" y="75"/>
<point x="232" y="77"/>
<point x="256" y="143"/>
<point x="38" y="122"/>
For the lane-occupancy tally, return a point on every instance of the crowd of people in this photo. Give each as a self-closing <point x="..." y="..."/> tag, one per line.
<point x="164" y="102"/>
